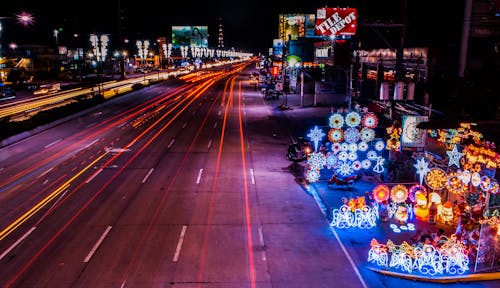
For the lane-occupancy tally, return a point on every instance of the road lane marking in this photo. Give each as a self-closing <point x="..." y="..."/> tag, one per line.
<point x="93" y="176"/>
<point x="199" y="176"/>
<point x="97" y="244"/>
<point x="262" y="244"/>
<point x="44" y="173"/>
<point x="184" y="125"/>
<point x="252" y="176"/>
<point x="53" y="143"/>
<point x="179" y="244"/>
<point x="17" y="242"/>
<point x="147" y="175"/>
<point x="209" y="144"/>
<point x="215" y="125"/>
<point x="171" y="143"/>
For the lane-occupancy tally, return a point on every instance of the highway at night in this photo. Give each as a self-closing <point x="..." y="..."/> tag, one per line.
<point x="167" y="185"/>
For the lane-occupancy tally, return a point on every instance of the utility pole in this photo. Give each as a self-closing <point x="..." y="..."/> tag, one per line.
<point x="123" y="75"/>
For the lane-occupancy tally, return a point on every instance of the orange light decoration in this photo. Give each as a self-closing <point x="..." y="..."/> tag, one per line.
<point x="393" y="143"/>
<point x="436" y="179"/>
<point x="446" y="212"/>
<point x="494" y="187"/>
<point x="381" y="193"/>
<point x="485" y="183"/>
<point x="421" y="211"/>
<point x="399" y="193"/>
<point x="401" y="213"/>
<point x="475" y="179"/>
<point x="412" y="192"/>
<point x="455" y="184"/>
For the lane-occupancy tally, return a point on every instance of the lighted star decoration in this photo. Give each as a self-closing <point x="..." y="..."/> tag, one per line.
<point x="454" y="157"/>
<point x="316" y="135"/>
<point x="25" y="18"/>
<point x="422" y="169"/>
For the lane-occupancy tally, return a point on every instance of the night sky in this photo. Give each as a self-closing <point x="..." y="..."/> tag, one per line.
<point x="248" y="25"/>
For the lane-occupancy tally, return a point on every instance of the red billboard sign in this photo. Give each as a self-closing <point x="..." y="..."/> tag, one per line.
<point x="336" y="21"/>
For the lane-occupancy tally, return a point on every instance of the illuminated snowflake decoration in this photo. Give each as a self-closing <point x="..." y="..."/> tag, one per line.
<point x="335" y="135"/>
<point x="367" y="134"/>
<point x="316" y="135"/>
<point x="371" y="155"/>
<point x="422" y="169"/>
<point x="316" y="160"/>
<point x="352" y="119"/>
<point x="344" y="147"/>
<point x="343" y="156"/>
<point x="353" y="147"/>
<point x="366" y="164"/>
<point x="454" y="156"/>
<point x="370" y="120"/>
<point x="312" y="175"/>
<point x="345" y="169"/>
<point x="356" y="165"/>
<point x="362" y="146"/>
<point x="331" y="160"/>
<point x="379" y="145"/>
<point x="351" y="135"/>
<point x="336" y="147"/>
<point x="352" y="156"/>
<point x="336" y="121"/>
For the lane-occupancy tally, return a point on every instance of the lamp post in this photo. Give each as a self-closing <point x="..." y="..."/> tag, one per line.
<point x="100" y="50"/>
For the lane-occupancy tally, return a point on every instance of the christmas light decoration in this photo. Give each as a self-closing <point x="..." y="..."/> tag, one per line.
<point x="351" y="135"/>
<point x="367" y="134"/>
<point x="336" y="121"/>
<point x="379" y="165"/>
<point x="454" y="157"/>
<point x="352" y="119"/>
<point x="316" y="135"/>
<point x="436" y="179"/>
<point x="369" y="120"/>
<point x="381" y="193"/>
<point x="399" y="193"/>
<point x="335" y="135"/>
<point x="316" y="160"/>
<point x="312" y="175"/>
<point x="422" y="169"/>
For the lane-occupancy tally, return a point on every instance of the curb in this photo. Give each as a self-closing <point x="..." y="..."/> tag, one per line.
<point x="442" y="279"/>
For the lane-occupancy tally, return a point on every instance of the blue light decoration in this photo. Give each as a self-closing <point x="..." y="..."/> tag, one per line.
<point x="316" y="135"/>
<point x="422" y="169"/>
<point x="454" y="156"/>
<point x="312" y="175"/>
<point x="363" y="218"/>
<point x="449" y="258"/>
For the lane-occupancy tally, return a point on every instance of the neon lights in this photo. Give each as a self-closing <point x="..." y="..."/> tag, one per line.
<point x="454" y="156"/>
<point x="422" y="169"/>
<point x="436" y="179"/>
<point x="316" y="135"/>
<point x="346" y="217"/>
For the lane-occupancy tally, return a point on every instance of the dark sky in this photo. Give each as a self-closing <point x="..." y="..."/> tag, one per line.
<point x="248" y="25"/>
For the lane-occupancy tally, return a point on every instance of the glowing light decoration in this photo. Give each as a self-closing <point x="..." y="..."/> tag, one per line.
<point x="351" y="135"/>
<point x="335" y="135"/>
<point x="369" y="120"/>
<point x="465" y="176"/>
<point x="455" y="184"/>
<point x="435" y="198"/>
<point x="345" y="169"/>
<point x="349" y="217"/>
<point x="99" y="46"/>
<point x="353" y="148"/>
<point x="331" y="160"/>
<point x="362" y="146"/>
<point x="365" y="164"/>
<point x="399" y="193"/>
<point x="413" y="190"/>
<point x="356" y="165"/>
<point x="316" y="160"/>
<point x="367" y="134"/>
<point x="485" y="183"/>
<point x="352" y="156"/>
<point x="379" y="145"/>
<point x="316" y="135"/>
<point x="446" y="212"/>
<point x="436" y="179"/>
<point x="475" y="179"/>
<point x="379" y="165"/>
<point x="454" y="156"/>
<point x="353" y="119"/>
<point x="336" y="121"/>
<point x="336" y="147"/>
<point x="450" y="258"/>
<point x="381" y="193"/>
<point x="422" y="169"/>
<point x="421" y="210"/>
<point x="494" y="187"/>
<point x="25" y="18"/>
<point x="312" y="175"/>
<point x="393" y="142"/>
<point x="401" y="213"/>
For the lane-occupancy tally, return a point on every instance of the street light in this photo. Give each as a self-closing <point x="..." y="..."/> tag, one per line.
<point x="100" y="50"/>
<point x="24" y="18"/>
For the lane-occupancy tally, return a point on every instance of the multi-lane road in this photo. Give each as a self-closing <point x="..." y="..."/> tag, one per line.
<point x="180" y="184"/>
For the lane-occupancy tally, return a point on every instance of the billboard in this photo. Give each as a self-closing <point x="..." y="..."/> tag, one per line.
<point x="277" y="47"/>
<point x="293" y="26"/>
<point x="336" y="21"/>
<point x="196" y="36"/>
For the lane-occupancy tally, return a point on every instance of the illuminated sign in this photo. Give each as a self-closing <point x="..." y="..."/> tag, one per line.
<point x="411" y="135"/>
<point x="195" y="36"/>
<point x="293" y="26"/>
<point x="277" y="47"/>
<point x="336" y="21"/>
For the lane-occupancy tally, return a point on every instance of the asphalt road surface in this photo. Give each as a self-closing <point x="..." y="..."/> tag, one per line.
<point x="180" y="184"/>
